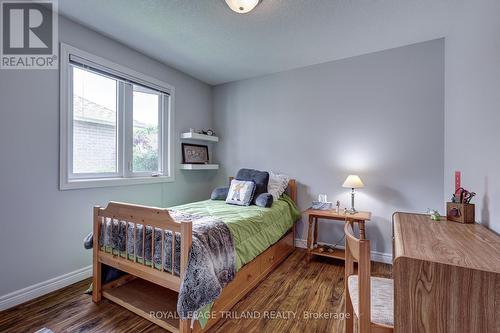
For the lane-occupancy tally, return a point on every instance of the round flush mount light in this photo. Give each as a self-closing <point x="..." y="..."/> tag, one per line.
<point x="242" y="6"/>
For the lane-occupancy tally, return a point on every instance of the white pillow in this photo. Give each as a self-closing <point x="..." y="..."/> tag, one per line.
<point x="277" y="184"/>
<point x="240" y="192"/>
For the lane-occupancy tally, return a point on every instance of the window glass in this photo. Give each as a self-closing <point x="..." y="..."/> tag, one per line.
<point x="94" y="122"/>
<point x="145" y="150"/>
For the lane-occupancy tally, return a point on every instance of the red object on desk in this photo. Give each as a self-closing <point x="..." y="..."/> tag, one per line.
<point x="457" y="180"/>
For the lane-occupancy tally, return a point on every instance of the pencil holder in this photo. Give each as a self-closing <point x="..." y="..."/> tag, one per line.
<point x="460" y="212"/>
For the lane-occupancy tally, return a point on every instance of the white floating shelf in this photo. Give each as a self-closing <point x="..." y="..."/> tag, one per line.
<point x="199" y="166"/>
<point x="201" y="137"/>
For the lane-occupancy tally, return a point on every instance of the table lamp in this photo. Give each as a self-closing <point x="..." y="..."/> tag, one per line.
<point x="353" y="181"/>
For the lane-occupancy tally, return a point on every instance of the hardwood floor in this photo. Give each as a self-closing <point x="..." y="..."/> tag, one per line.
<point x="281" y="301"/>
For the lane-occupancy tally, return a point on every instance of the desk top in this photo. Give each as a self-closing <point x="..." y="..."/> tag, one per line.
<point x="332" y="214"/>
<point x="465" y="245"/>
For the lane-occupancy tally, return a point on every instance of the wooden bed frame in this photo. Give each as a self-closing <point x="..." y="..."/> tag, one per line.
<point x="152" y="293"/>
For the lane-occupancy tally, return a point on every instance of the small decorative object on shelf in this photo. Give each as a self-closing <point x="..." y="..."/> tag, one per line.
<point x="337" y="205"/>
<point x="460" y="209"/>
<point x="209" y="132"/>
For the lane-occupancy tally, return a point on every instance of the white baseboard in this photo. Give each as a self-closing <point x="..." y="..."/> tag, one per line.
<point x="385" y="258"/>
<point x="26" y="294"/>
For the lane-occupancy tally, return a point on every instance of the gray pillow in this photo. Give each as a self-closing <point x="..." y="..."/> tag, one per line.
<point x="220" y="193"/>
<point x="260" y="178"/>
<point x="264" y="200"/>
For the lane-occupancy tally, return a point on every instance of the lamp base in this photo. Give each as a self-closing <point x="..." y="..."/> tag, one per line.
<point x="352" y="211"/>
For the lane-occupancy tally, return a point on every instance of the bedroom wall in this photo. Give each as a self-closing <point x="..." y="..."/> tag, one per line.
<point x="43" y="227"/>
<point x="378" y="115"/>
<point x="472" y="112"/>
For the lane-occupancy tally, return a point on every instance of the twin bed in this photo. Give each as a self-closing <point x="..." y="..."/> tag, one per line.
<point x="140" y="241"/>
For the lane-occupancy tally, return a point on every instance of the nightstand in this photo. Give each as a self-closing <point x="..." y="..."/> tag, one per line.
<point x="313" y="215"/>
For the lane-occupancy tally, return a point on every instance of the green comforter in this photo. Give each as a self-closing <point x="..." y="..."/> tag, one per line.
<point x="254" y="228"/>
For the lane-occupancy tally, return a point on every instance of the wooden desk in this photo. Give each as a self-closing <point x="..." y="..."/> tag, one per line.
<point x="446" y="276"/>
<point x="314" y="214"/>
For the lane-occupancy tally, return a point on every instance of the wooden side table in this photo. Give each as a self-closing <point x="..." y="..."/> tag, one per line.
<point x="313" y="215"/>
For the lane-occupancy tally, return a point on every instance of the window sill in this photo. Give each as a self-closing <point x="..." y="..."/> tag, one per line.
<point x="107" y="182"/>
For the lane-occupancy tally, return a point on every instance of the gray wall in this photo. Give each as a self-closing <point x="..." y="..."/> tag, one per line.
<point x="472" y="113"/>
<point x="42" y="227"/>
<point x="378" y="115"/>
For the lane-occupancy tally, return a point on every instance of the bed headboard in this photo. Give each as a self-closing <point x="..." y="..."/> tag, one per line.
<point x="291" y="190"/>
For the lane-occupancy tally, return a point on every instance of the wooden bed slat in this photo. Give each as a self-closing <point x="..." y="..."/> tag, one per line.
<point x="173" y="251"/>
<point x="135" y="242"/>
<point x="144" y="272"/>
<point x="162" y="246"/>
<point x="143" y="245"/>
<point x="153" y="247"/>
<point x="186" y="234"/>
<point x="125" y="226"/>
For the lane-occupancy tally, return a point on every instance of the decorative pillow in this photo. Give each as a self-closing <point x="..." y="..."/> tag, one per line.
<point x="264" y="200"/>
<point x="260" y="178"/>
<point x="220" y="193"/>
<point x="277" y="184"/>
<point x="241" y="192"/>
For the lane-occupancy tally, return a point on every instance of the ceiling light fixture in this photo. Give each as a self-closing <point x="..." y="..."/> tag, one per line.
<point x="242" y="6"/>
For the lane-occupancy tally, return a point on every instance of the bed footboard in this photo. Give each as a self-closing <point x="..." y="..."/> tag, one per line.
<point x="136" y="216"/>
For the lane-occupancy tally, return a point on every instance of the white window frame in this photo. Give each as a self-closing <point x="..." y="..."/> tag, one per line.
<point x="124" y="174"/>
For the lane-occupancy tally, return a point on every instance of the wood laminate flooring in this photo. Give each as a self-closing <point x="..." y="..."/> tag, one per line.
<point x="296" y="297"/>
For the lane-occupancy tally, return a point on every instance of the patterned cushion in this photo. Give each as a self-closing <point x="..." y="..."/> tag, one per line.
<point x="240" y="192"/>
<point x="277" y="184"/>
<point x="382" y="300"/>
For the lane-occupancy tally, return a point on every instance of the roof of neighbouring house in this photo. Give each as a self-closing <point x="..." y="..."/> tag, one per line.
<point x="88" y="111"/>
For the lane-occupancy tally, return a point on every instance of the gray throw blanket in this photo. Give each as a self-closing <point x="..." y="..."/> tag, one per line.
<point x="211" y="264"/>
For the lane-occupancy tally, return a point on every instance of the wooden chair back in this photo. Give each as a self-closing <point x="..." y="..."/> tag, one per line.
<point x="358" y="250"/>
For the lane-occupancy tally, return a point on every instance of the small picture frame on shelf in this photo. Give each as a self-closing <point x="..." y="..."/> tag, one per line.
<point x="194" y="154"/>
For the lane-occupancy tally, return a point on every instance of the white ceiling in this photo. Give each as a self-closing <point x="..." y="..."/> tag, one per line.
<point x="205" y="39"/>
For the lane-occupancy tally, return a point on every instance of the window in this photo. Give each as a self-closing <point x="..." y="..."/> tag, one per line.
<point x="146" y="119"/>
<point x="116" y="124"/>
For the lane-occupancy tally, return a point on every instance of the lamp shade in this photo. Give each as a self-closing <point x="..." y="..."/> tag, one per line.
<point x="353" y="181"/>
<point x="242" y="6"/>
